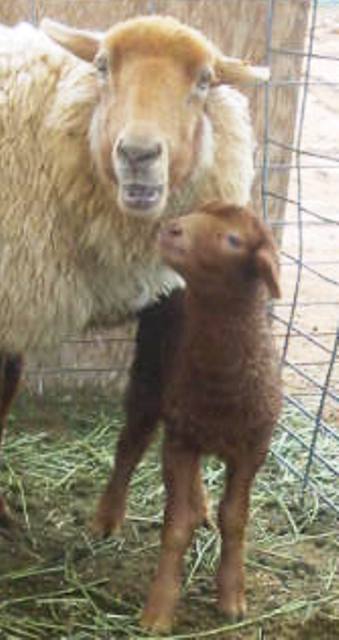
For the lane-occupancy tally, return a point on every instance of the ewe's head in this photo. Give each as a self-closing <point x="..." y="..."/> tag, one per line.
<point x="220" y="249"/>
<point x="150" y="131"/>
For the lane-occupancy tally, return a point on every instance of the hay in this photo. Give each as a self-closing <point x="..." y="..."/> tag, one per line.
<point x="60" y="583"/>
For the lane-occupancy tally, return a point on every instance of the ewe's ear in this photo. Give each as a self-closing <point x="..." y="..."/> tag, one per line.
<point x="266" y="263"/>
<point x="236" y="71"/>
<point x="83" y="44"/>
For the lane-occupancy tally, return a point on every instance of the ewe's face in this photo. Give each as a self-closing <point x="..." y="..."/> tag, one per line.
<point x="150" y="132"/>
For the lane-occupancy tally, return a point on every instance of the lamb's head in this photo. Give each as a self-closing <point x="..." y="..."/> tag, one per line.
<point x="221" y="248"/>
<point x="150" y="130"/>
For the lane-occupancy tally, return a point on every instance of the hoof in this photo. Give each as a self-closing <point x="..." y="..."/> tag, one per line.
<point x="110" y="515"/>
<point x="106" y="524"/>
<point x="158" y="614"/>
<point x="233" y="607"/>
<point x="156" y="622"/>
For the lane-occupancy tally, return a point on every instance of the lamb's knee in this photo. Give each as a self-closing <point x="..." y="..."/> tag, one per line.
<point x="177" y="535"/>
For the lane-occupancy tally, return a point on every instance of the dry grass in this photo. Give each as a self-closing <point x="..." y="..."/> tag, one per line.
<point x="57" y="582"/>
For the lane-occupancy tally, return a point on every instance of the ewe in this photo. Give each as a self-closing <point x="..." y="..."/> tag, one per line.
<point x="101" y="138"/>
<point x="221" y="396"/>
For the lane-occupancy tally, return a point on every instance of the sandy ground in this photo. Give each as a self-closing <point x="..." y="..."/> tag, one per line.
<point x="318" y="299"/>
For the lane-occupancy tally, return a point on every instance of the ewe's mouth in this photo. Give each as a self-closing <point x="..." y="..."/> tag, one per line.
<point x="143" y="197"/>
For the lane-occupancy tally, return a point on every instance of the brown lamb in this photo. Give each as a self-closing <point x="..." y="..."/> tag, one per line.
<point x="220" y="395"/>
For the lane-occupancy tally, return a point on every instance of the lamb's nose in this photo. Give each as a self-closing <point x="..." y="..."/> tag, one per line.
<point x="136" y="154"/>
<point x="175" y="229"/>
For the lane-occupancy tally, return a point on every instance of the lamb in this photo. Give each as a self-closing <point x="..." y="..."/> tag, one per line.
<point x="103" y="135"/>
<point x="221" y="395"/>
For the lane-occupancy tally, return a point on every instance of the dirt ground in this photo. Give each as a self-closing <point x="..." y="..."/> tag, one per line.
<point x="58" y="583"/>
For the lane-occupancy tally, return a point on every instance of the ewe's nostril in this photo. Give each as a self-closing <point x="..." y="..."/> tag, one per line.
<point x="135" y="154"/>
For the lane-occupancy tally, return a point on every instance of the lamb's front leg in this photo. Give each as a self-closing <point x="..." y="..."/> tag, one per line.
<point x="133" y="441"/>
<point x="155" y="342"/>
<point x="183" y="513"/>
<point x="233" y="515"/>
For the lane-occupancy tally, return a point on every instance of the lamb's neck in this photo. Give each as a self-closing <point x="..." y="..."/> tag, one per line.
<point x="224" y="327"/>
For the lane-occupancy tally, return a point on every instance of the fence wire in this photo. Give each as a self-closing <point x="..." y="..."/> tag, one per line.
<point x="307" y="440"/>
<point x="314" y="385"/>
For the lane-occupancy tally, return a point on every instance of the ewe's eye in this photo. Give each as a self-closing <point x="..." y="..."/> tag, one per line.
<point x="234" y="240"/>
<point x="204" y="80"/>
<point x="101" y="64"/>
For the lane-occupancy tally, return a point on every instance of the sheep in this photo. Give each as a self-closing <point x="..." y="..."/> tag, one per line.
<point x="103" y="135"/>
<point x="220" y="395"/>
<point x="10" y="372"/>
<point x="86" y="179"/>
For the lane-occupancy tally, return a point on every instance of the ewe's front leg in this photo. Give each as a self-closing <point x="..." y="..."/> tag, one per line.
<point x="182" y="514"/>
<point x="10" y="373"/>
<point x="233" y="514"/>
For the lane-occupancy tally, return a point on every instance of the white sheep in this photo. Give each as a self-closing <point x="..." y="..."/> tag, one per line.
<point x="94" y="153"/>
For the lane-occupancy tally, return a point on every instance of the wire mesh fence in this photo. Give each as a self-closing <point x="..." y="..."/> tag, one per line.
<point x="307" y="441"/>
<point x="306" y="318"/>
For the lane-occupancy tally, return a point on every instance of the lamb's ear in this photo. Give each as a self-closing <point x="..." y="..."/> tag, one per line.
<point x="235" y="71"/>
<point x="83" y="44"/>
<point x="266" y="263"/>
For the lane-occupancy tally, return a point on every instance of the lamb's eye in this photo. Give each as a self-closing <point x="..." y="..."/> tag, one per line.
<point x="234" y="241"/>
<point x="101" y="64"/>
<point x="204" y="80"/>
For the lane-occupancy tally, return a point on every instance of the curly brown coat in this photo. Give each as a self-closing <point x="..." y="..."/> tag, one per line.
<point x="219" y="393"/>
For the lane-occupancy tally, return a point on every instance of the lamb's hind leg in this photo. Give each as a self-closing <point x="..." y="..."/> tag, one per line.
<point x="183" y="513"/>
<point x="233" y="515"/>
<point x="10" y="373"/>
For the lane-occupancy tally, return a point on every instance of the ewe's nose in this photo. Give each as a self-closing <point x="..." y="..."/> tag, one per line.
<point x="139" y="154"/>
